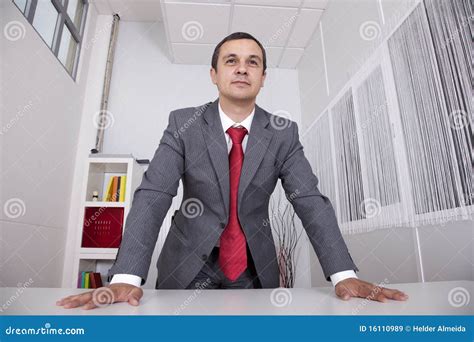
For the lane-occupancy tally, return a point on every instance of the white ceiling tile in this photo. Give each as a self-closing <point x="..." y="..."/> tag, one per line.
<point x="291" y="57"/>
<point x="319" y="4"/>
<point x="307" y="21"/>
<point x="277" y="3"/>
<point x="197" y="23"/>
<point x="192" y="53"/>
<point x="138" y="10"/>
<point x="273" y="56"/>
<point x="277" y="23"/>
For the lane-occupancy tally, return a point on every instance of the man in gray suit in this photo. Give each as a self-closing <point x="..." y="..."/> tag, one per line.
<point x="229" y="155"/>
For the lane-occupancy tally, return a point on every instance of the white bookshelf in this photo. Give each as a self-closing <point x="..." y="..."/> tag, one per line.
<point x="98" y="170"/>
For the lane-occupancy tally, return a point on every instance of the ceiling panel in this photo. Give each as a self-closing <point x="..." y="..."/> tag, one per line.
<point x="196" y="23"/>
<point x="277" y="23"/>
<point x="305" y="25"/>
<point x="194" y="27"/>
<point x="185" y="53"/>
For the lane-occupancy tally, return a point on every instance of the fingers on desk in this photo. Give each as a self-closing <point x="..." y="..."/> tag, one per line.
<point x="75" y="300"/>
<point x="394" y="294"/>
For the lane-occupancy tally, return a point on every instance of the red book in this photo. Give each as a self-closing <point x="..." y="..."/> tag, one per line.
<point x="96" y="280"/>
<point x="102" y="227"/>
<point x="114" y="189"/>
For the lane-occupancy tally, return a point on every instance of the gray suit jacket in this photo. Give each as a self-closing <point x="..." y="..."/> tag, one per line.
<point x="193" y="148"/>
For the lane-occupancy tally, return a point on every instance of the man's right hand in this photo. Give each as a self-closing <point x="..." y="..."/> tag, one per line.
<point x="103" y="296"/>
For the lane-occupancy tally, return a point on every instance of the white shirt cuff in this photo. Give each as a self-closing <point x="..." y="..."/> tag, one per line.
<point x="127" y="279"/>
<point x="339" y="276"/>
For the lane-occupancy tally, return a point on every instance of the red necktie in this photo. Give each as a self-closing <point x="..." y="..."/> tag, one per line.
<point x="233" y="249"/>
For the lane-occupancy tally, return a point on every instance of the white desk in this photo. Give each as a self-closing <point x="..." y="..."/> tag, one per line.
<point x="425" y="299"/>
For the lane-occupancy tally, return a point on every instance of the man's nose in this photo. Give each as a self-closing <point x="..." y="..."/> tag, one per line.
<point x="241" y="69"/>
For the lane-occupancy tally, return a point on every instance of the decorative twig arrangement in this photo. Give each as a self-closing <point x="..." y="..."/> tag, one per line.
<point x="283" y="224"/>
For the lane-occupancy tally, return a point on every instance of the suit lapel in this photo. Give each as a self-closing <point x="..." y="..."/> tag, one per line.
<point x="217" y="149"/>
<point x="257" y="145"/>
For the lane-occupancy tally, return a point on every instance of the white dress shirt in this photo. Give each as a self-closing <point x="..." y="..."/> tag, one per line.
<point x="226" y="123"/>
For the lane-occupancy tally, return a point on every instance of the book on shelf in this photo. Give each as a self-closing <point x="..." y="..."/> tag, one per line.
<point x="116" y="189"/>
<point x="89" y="280"/>
<point x="102" y="227"/>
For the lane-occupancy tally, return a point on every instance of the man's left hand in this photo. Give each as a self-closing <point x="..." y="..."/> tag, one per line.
<point x="353" y="287"/>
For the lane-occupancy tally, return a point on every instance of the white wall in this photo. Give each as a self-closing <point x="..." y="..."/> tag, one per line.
<point x="41" y="108"/>
<point x="145" y="87"/>
<point x="442" y="252"/>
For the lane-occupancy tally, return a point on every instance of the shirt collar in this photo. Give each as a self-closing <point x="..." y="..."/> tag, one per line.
<point x="228" y="122"/>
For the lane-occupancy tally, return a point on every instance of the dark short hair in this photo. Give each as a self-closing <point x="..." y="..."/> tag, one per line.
<point x="235" y="36"/>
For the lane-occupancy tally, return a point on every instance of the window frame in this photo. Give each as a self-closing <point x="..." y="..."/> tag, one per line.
<point x="63" y="19"/>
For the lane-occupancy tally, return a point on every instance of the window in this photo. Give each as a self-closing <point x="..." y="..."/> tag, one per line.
<point x="60" y="23"/>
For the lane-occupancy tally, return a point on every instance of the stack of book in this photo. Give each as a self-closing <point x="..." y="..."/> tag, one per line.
<point x="89" y="280"/>
<point x="116" y="189"/>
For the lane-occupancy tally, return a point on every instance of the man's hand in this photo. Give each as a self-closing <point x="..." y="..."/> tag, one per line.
<point x="353" y="287"/>
<point x="103" y="296"/>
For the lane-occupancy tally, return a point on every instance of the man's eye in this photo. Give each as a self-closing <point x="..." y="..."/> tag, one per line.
<point x="230" y="61"/>
<point x="253" y="62"/>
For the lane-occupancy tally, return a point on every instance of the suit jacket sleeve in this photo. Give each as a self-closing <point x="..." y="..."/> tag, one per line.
<point x="314" y="209"/>
<point x="151" y="202"/>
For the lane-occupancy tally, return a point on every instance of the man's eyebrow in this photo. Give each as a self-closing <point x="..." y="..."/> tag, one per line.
<point x="256" y="57"/>
<point x="230" y="55"/>
<point x="235" y="55"/>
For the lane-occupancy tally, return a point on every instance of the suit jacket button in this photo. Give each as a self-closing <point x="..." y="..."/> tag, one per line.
<point x="222" y="225"/>
<point x="204" y="257"/>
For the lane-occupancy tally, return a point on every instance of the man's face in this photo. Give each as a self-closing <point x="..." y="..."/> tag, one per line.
<point x="239" y="74"/>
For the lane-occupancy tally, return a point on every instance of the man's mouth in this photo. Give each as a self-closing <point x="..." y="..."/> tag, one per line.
<point x="241" y="82"/>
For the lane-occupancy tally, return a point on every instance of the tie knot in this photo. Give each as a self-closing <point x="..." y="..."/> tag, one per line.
<point x="237" y="134"/>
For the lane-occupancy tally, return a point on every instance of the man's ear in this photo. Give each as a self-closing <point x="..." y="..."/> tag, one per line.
<point x="263" y="78"/>
<point x="213" y="74"/>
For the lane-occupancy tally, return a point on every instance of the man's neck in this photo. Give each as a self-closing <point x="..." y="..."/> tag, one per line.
<point x="237" y="111"/>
